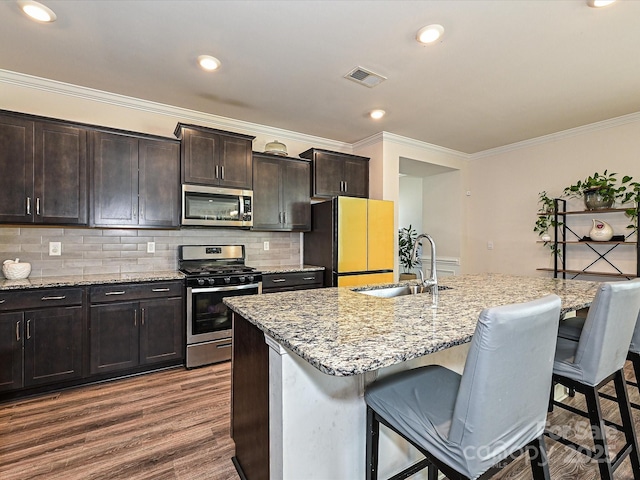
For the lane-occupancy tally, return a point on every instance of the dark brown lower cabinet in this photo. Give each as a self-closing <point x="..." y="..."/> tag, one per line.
<point x="52" y="345"/>
<point x="114" y="337"/>
<point x="11" y="358"/>
<point x="161" y="330"/>
<point x="40" y="346"/>
<point x="50" y="338"/>
<point x="127" y="330"/>
<point x="287" y="281"/>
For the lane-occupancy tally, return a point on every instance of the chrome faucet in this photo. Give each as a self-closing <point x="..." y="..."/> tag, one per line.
<point x="432" y="281"/>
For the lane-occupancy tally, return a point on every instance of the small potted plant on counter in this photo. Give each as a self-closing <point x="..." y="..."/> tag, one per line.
<point x="406" y="239"/>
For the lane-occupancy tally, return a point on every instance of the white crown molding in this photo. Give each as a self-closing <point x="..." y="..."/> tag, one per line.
<point x="553" y="137"/>
<point x="225" y="123"/>
<point x="182" y="114"/>
<point x="408" y="142"/>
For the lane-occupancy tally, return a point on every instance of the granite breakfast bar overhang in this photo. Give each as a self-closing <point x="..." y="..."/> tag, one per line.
<point x="301" y="361"/>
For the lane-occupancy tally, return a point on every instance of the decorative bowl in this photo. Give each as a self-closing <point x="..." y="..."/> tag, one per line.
<point x="16" y="270"/>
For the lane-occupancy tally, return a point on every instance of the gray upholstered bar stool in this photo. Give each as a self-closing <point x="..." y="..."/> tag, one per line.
<point x="595" y="360"/>
<point x="468" y="425"/>
<point x="571" y="329"/>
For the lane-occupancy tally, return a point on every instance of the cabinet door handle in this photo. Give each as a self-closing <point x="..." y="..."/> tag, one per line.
<point x="142" y="317"/>
<point x="2" y="301"/>
<point x="280" y="217"/>
<point x="216" y="171"/>
<point x="28" y="205"/>
<point x="134" y="212"/>
<point x="135" y="318"/>
<point x="279" y="280"/>
<point x="37" y="205"/>
<point x="28" y="329"/>
<point x="222" y="172"/>
<point x="284" y="217"/>
<point x="61" y="297"/>
<point x="18" y="331"/>
<point x="160" y="289"/>
<point x="118" y="292"/>
<point x="308" y="278"/>
<point x="346" y="186"/>
<point x="223" y="345"/>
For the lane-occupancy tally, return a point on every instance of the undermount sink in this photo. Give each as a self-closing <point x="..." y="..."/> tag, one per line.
<point x="400" y="291"/>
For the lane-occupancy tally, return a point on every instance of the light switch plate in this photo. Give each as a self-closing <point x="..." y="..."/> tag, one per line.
<point x="55" y="248"/>
<point x="266" y="245"/>
<point x="151" y="247"/>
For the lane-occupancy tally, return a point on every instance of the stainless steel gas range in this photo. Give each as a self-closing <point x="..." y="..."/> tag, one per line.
<point x="213" y="273"/>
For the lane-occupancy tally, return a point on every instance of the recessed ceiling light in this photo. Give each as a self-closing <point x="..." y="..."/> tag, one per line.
<point x="430" y="33"/>
<point x="599" y="3"/>
<point x="37" y="11"/>
<point x="209" y="63"/>
<point x="377" y="114"/>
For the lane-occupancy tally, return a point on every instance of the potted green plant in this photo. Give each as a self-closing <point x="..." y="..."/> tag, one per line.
<point x="632" y="194"/>
<point x="406" y="240"/>
<point x="546" y="220"/>
<point x="599" y="190"/>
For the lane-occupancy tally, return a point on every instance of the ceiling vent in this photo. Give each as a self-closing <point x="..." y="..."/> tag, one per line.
<point x="365" y="77"/>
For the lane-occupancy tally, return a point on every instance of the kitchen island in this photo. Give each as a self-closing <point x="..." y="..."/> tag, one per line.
<point x="301" y="361"/>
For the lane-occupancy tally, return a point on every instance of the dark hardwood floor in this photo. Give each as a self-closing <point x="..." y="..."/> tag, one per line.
<point x="174" y="424"/>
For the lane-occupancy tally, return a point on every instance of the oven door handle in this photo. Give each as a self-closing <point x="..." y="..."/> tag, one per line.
<point x="225" y="289"/>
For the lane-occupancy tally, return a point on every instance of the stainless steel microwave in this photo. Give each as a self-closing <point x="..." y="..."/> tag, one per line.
<point x="216" y="207"/>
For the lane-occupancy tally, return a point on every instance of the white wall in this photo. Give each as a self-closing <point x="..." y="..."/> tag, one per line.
<point x="410" y="203"/>
<point x="504" y="187"/>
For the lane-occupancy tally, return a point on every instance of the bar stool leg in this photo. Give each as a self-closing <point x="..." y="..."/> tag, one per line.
<point x="627" y="422"/>
<point x="432" y="473"/>
<point x="538" y="458"/>
<point x="373" y="433"/>
<point x="597" y="430"/>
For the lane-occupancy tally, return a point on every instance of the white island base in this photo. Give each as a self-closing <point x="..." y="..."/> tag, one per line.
<point x="317" y="422"/>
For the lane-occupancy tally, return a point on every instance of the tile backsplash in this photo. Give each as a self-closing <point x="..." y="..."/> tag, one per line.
<point x="88" y="251"/>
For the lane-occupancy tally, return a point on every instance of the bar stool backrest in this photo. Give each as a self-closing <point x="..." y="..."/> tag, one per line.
<point x="504" y="390"/>
<point x="608" y="328"/>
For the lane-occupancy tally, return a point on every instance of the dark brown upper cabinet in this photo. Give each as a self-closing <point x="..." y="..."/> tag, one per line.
<point x="281" y="193"/>
<point x="335" y="173"/>
<point x="44" y="167"/>
<point x="215" y="157"/>
<point x="135" y="181"/>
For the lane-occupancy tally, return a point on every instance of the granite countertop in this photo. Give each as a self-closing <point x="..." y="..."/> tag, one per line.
<point x="342" y="332"/>
<point x="81" y="280"/>
<point x="290" y="269"/>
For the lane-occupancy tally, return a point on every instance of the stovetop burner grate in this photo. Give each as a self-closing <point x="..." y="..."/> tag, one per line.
<point x="217" y="270"/>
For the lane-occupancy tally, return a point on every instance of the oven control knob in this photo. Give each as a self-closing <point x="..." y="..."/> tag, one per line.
<point x="251" y="278"/>
<point x="241" y="278"/>
<point x="201" y="281"/>
<point x="227" y="280"/>
<point x="212" y="281"/>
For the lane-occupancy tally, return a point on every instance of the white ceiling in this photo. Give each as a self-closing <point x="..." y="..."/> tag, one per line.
<point x="505" y="70"/>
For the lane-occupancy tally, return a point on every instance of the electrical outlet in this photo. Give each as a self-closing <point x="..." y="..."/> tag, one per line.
<point x="151" y="247"/>
<point x="490" y="245"/>
<point x="55" y="248"/>
<point x="266" y="246"/>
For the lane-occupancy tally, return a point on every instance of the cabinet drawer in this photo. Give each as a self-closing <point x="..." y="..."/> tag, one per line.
<point x="40" y="298"/>
<point x="134" y="291"/>
<point x="291" y="280"/>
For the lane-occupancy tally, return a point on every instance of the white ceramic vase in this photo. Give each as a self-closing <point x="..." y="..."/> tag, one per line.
<point x="601" y="231"/>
